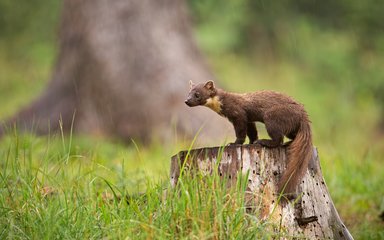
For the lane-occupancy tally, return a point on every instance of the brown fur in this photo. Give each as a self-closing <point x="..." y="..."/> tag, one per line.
<point x="281" y="115"/>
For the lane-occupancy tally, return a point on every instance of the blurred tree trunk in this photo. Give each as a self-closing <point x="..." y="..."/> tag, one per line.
<point x="123" y="69"/>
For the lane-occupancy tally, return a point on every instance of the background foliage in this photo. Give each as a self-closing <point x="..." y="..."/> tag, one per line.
<point x="327" y="54"/>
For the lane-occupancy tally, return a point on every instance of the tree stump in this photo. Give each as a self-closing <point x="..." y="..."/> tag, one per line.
<point x="312" y="214"/>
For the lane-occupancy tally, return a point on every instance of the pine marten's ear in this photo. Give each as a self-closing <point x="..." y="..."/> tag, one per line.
<point x="209" y="85"/>
<point x="191" y="84"/>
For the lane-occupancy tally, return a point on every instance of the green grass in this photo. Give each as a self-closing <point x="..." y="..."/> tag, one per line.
<point x="52" y="190"/>
<point x="83" y="188"/>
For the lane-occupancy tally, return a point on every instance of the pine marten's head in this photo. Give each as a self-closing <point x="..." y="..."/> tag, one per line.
<point x="203" y="94"/>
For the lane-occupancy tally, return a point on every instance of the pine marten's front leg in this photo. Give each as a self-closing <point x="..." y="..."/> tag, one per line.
<point x="244" y="128"/>
<point x="240" y="126"/>
<point x="252" y="132"/>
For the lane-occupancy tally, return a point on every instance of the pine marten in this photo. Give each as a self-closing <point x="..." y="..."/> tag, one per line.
<point x="281" y="115"/>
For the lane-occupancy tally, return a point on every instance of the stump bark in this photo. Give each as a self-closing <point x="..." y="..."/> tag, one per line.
<point x="311" y="215"/>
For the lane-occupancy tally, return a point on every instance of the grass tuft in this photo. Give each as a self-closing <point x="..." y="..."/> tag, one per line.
<point x="50" y="191"/>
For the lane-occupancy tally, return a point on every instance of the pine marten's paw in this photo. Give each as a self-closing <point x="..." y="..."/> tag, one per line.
<point x="234" y="144"/>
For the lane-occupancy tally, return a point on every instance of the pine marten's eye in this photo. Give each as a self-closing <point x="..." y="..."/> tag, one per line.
<point x="197" y="95"/>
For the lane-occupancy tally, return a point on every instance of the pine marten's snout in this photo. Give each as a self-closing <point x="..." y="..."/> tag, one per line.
<point x="191" y="102"/>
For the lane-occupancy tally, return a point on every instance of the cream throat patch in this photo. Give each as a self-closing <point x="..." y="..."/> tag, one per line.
<point x="214" y="103"/>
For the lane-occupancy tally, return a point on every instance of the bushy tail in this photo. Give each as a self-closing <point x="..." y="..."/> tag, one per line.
<point x="300" y="152"/>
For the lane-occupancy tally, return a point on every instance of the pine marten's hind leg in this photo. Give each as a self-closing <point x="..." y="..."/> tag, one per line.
<point x="252" y="132"/>
<point x="275" y="133"/>
<point x="291" y="136"/>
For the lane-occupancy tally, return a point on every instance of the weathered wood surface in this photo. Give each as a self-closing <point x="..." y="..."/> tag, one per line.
<point x="311" y="215"/>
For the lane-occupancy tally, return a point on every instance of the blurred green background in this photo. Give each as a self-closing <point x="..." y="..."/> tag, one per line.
<point x="327" y="54"/>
